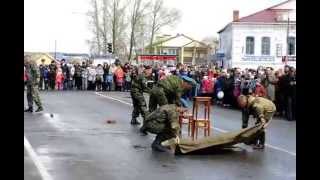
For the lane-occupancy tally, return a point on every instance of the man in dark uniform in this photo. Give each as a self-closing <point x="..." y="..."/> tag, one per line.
<point x="138" y="86"/>
<point x="33" y="79"/>
<point x="164" y="123"/>
<point x="263" y="109"/>
<point x="169" y="91"/>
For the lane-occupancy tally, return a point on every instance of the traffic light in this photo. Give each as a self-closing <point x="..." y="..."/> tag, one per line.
<point x="109" y="47"/>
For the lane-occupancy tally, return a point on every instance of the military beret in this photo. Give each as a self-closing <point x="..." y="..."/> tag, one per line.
<point x="189" y="80"/>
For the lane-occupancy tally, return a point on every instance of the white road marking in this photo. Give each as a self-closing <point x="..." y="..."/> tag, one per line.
<point x="108" y="97"/>
<point x="218" y="129"/>
<point x="42" y="170"/>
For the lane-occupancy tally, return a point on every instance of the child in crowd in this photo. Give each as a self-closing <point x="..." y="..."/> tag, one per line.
<point x="59" y="79"/>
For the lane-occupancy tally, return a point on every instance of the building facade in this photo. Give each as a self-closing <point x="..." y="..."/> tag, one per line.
<point x="265" y="38"/>
<point x="187" y="50"/>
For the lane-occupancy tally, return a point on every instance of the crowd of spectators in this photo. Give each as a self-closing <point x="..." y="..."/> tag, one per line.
<point x="277" y="85"/>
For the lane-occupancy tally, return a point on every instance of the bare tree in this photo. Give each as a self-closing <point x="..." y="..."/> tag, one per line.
<point x="162" y="16"/>
<point x="137" y="16"/>
<point x="94" y="22"/>
<point x="118" y="24"/>
<point x="105" y="26"/>
<point x="212" y="41"/>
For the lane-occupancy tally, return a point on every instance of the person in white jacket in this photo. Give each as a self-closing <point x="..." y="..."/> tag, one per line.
<point x="84" y="74"/>
<point x="91" y="77"/>
<point x="99" y="77"/>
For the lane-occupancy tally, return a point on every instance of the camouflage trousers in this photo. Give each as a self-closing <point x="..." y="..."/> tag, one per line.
<point x="162" y="129"/>
<point x="33" y="95"/>
<point x="139" y="105"/>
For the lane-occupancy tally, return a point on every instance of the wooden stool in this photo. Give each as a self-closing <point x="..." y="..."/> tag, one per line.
<point x="197" y="101"/>
<point x="185" y="115"/>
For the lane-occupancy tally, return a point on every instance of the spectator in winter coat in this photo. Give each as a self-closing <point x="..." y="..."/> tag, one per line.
<point x="77" y="76"/>
<point x="109" y="80"/>
<point x="84" y="75"/>
<point x="99" y="77"/>
<point x="41" y="69"/>
<point x="91" y="77"/>
<point x="105" y="73"/>
<point x="127" y="85"/>
<point x="66" y="74"/>
<point x="228" y="86"/>
<point x="269" y="84"/>
<point x="119" y="75"/>
<point x="71" y="81"/>
<point x="206" y="87"/>
<point x="52" y="77"/>
<point x="59" y="79"/>
<point x="260" y="91"/>
<point x="46" y="76"/>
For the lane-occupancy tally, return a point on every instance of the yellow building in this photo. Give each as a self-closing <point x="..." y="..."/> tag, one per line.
<point x="187" y="50"/>
<point x="38" y="57"/>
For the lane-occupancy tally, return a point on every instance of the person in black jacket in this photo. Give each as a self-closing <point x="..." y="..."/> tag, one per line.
<point x="290" y="94"/>
<point x="52" y="74"/>
<point x="66" y="73"/>
<point x="41" y="69"/>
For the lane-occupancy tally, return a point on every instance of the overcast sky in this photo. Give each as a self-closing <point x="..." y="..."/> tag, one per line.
<point x="64" y="20"/>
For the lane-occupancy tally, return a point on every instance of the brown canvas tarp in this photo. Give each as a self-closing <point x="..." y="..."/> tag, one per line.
<point x="223" y="140"/>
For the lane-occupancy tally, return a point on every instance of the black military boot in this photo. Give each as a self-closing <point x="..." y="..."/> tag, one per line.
<point x="39" y="109"/>
<point x="156" y="145"/>
<point x="134" y="121"/>
<point x="28" y="110"/>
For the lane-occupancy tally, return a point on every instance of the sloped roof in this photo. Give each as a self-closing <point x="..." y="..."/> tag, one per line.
<point x="174" y="37"/>
<point x="36" y="55"/>
<point x="269" y="15"/>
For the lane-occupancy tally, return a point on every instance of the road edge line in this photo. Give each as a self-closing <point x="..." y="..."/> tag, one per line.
<point x="42" y="170"/>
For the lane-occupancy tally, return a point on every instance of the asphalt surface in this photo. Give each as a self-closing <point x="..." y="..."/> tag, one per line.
<point x="73" y="142"/>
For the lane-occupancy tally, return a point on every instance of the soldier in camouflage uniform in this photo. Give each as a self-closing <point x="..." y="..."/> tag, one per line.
<point x="138" y="86"/>
<point x="33" y="79"/>
<point x="164" y="123"/>
<point x="169" y="91"/>
<point x="263" y="109"/>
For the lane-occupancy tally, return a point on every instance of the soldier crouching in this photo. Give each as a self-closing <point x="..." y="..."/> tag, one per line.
<point x="164" y="123"/>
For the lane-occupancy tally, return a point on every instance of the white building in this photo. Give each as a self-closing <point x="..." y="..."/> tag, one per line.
<point x="260" y="38"/>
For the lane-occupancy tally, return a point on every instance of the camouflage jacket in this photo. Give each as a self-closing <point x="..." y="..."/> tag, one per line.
<point x="33" y="74"/>
<point x="261" y="107"/>
<point x="172" y="85"/>
<point x="139" y="84"/>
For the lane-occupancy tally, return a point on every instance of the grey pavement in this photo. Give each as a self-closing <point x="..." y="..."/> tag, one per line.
<point x="76" y="143"/>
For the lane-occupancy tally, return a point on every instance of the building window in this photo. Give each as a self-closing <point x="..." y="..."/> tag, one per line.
<point x="265" y="46"/>
<point x="172" y="52"/>
<point x="164" y="51"/>
<point x="279" y="50"/>
<point x="250" y="45"/>
<point x="291" y="46"/>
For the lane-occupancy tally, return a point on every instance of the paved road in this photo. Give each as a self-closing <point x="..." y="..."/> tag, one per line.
<point x="76" y="143"/>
